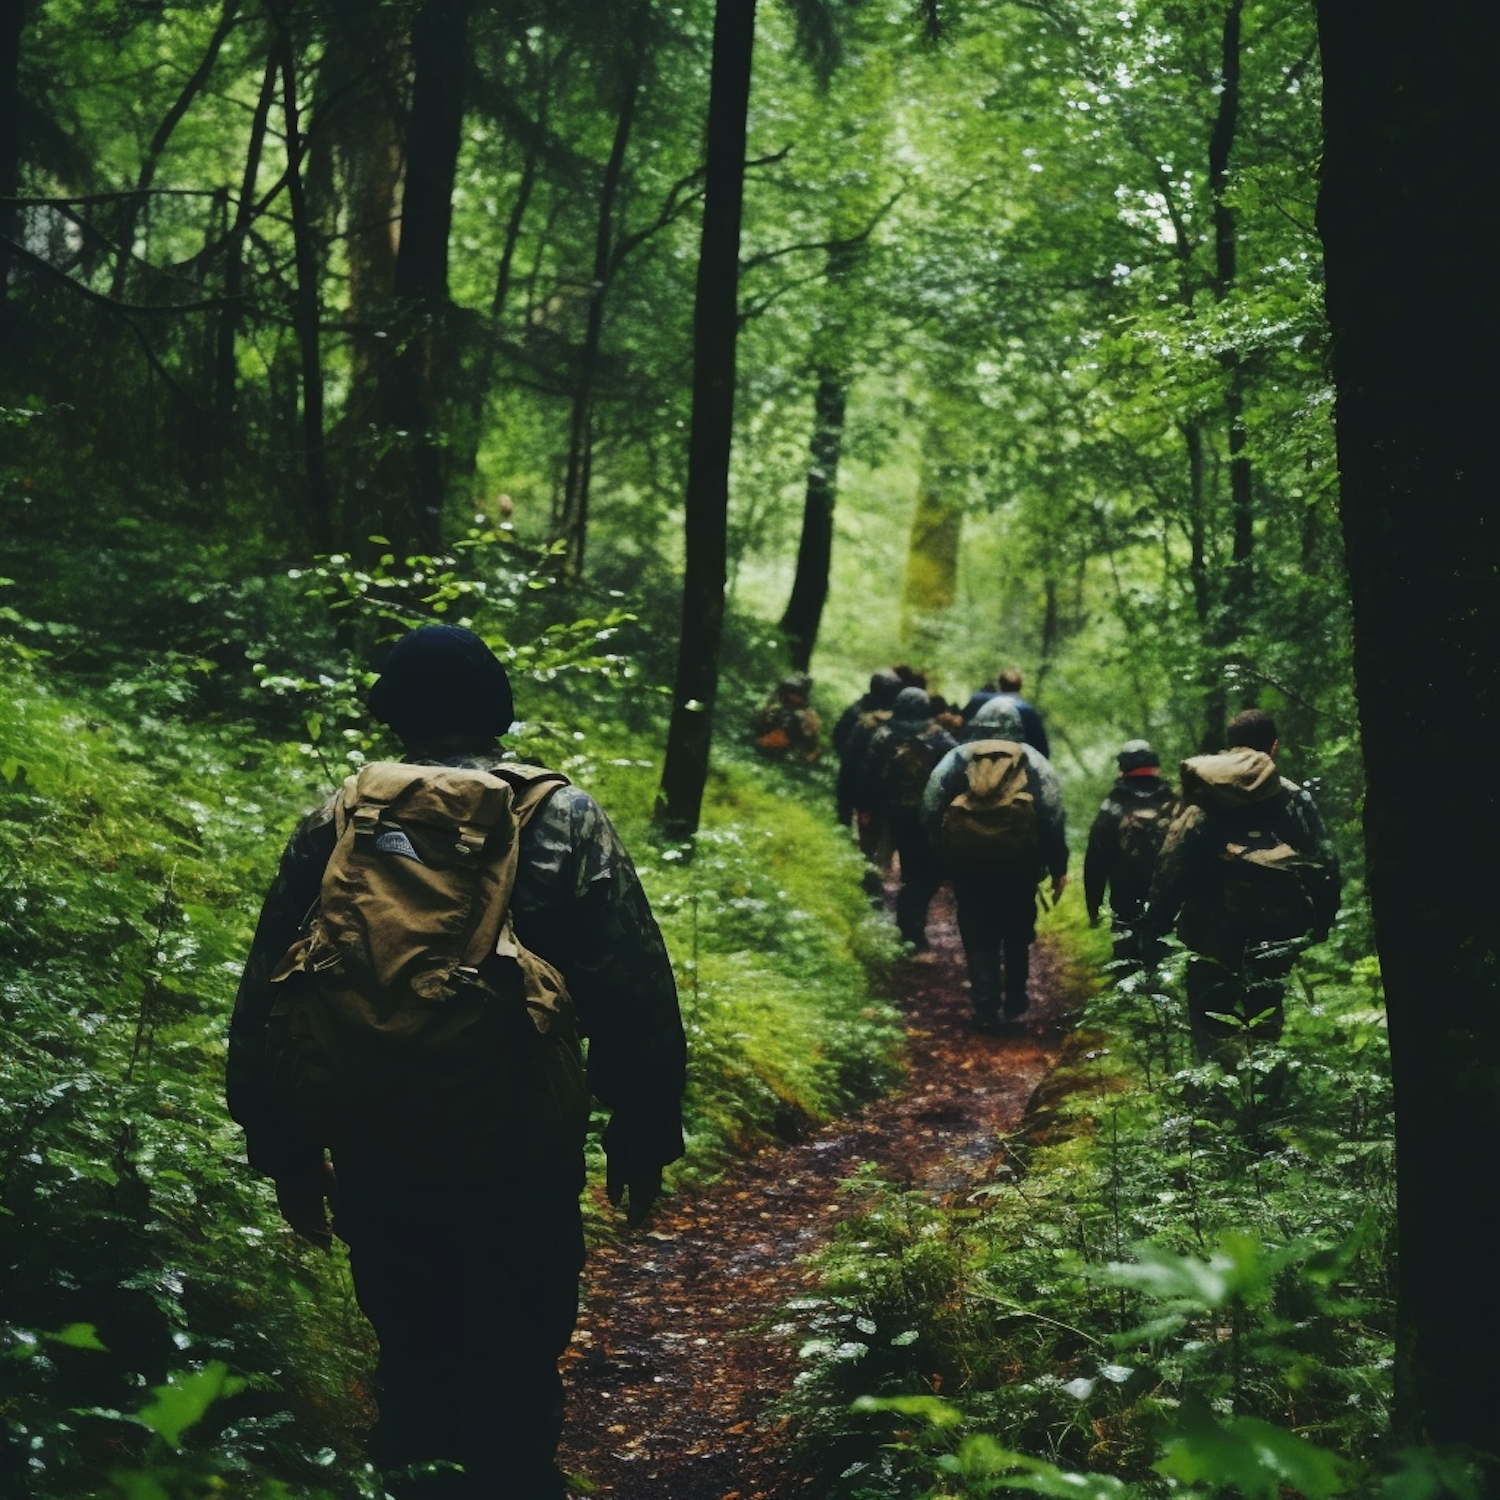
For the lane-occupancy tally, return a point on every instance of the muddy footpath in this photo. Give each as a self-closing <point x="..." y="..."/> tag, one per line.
<point x="678" y="1358"/>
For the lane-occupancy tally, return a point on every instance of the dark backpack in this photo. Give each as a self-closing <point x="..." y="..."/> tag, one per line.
<point x="909" y="764"/>
<point x="989" y="831"/>
<point x="1264" y="883"/>
<point x="1138" y="839"/>
<point x="412" y="1034"/>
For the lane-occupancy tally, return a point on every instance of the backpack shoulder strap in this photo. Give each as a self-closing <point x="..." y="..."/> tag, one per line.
<point x="531" y="785"/>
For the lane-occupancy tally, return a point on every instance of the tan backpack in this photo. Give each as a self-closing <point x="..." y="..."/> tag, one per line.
<point x="989" y="830"/>
<point x="413" y="1035"/>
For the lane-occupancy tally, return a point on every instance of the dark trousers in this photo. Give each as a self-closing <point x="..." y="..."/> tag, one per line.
<point x="1247" y="992"/>
<point x="920" y="877"/>
<point x="997" y="922"/>
<point x="473" y="1295"/>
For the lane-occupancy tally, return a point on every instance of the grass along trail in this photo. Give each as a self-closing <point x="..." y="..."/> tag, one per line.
<point x="677" y="1357"/>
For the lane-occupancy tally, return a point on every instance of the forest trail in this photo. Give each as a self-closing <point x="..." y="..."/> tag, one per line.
<point x="677" y="1358"/>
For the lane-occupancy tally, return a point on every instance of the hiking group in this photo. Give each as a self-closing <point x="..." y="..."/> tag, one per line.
<point x="1239" y="863"/>
<point x="440" y="935"/>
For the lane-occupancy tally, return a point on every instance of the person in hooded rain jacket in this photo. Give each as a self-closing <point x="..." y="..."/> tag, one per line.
<point x="893" y="780"/>
<point x="1243" y="925"/>
<point x="1124" y="843"/>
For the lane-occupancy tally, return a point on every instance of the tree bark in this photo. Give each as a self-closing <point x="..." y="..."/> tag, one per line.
<point x="317" y="516"/>
<point x="575" y="500"/>
<point x="1410" y="128"/>
<point x="226" y="378"/>
<point x="410" y="476"/>
<point x="804" y="609"/>
<point x="715" y="329"/>
<point x="12" y="22"/>
<point x="931" y="582"/>
<point x="134" y="206"/>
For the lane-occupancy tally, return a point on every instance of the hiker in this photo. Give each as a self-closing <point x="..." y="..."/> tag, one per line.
<point x="1247" y="875"/>
<point x="1124" y="842"/>
<point x="787" y="727"/>
<point x="1008" y="685"/>
<point x="874" y="840"/>
<point x="994" y="810"/>
<point x="892" y="780"/>
<point x="442" y="1074"/>
<point x="884" y="685"/>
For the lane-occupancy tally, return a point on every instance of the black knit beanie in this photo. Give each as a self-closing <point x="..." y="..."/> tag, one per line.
<point x="442" y="682"/>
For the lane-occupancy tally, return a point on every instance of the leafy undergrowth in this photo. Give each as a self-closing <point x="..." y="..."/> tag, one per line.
<point x="1186" y="1291"/>
<point x="164" y="1334"/>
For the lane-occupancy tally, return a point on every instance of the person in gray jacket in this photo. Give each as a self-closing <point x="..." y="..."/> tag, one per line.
<point x="997" y="906"/>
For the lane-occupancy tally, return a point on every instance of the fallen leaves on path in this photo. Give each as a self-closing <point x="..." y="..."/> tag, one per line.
<point x="678" y="1353"/>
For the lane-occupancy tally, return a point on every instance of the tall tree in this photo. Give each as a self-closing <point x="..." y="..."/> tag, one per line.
<point x="410" y="476"/>
<point x="715" y="329"/>
<point x="1411" y="133"/>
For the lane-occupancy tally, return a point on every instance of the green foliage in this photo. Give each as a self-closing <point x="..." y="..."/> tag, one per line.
<point x="1182" y="1274"/>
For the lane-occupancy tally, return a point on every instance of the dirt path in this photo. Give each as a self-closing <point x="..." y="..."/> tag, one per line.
<point x="674" y="1361"/>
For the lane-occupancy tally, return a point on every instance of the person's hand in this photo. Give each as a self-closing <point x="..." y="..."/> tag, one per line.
<point x="303" y="1198"/>
<point x="637" y="1189"/>
<point x="1059" y="884"/>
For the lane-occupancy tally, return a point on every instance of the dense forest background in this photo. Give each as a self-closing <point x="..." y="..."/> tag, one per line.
<point x="321" y="319"/>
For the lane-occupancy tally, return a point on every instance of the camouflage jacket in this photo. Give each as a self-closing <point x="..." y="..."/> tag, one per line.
<point x="1185" y="890"/>
<point x="951" y="776"/>
<point x="1102" y="862"/>
<point x="783" y="732"/>
<point x="579" y="904"/>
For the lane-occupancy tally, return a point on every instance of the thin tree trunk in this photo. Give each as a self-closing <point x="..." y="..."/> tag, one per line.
<point x="12" y="22"/>
<point x="715" y="329"/>
<point x="410" y="475"/>
<point x="575" y="501"/>
<point x="804" y="609"/>
<point x="135" y="205"/>
<point x="226" y="365"/>
<point x="317" y="519"/>
<point x="1410" y="123"/>
<point x="1240" y="584"/>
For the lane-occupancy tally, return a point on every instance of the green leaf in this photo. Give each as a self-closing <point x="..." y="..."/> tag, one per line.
<point x="930" y="1408"/>
<point x="1252" y="1456"/>
<point x="184" y="1400"/>
<point x="78" y="1336"/>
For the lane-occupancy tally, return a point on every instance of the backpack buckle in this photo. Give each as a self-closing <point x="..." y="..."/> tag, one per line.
<point x="470" y="841"/>
<point x="366" y="818"/>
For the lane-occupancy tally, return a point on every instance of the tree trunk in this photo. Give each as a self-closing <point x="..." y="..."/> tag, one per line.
<point x="317" y="518"/>
<point x="135" y="205"/>
<point x="360" y="117"/>
<point x="715" y="328"/>
<point x="804" y="609"/>
<point x="410" y="476"/>
<point x="12" y="22"/>
<point x="1409" y="237"/>
<point x="575" y="501"/>
<point x="931" y="583"/>
<point x="226" y="365"/>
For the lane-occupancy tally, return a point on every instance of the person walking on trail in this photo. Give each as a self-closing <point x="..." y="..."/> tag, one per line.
<point x="1008" y="685"/>
<point x="870" y="829"/>
<point x="1124" y="843"/>
<point x="893" y="780"/>
<point x="787" y="727"/>
<point x="436" y="937"/>
<point x="994" y="810"/>
<point x="884" y="685"/>
<point x="1247" y="875"/>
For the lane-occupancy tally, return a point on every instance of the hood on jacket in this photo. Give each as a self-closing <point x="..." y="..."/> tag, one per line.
<point x="997" y="718"/>
<point x="1230" y="779"/>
